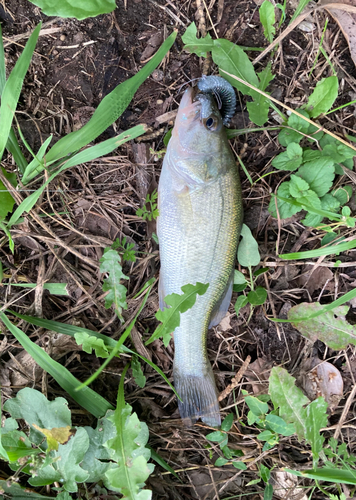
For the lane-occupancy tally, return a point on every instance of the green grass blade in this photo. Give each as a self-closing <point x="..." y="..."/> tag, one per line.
<point x="157" y="458"/>
<point x="84" y="156"/>
<point x="332" y="475"/>
<point x="108" y="111"/>
<point x="2" y="64"/>
<point x="87" y="398"/>
<point x="330" y="250"/>
<point x="338" y="302"/>
<point x="71" y="330"/>
<point x="12" y="145"/>
<point x="53" y="288"/>
<point x="118" y="345"/>
<point x="301" y="6"/>
<point x="12" y="89"/>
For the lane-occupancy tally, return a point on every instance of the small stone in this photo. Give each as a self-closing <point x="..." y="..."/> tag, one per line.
<point x="159" y="101"/>
<point x="62" y="38"/>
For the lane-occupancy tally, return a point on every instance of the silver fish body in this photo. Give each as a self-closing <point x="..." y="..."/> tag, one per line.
<point x="200" y="216"/>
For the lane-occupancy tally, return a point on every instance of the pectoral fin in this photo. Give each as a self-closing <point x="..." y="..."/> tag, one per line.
<point x="222" y="306"/>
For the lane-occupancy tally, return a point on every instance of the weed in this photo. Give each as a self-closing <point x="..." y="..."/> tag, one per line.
<point x="125" y="248"/>
<point x="248" y="256"/>
<point x="149" y="211"/>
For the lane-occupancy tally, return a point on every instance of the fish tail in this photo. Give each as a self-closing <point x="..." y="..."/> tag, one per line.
<point x="199" y="397"/>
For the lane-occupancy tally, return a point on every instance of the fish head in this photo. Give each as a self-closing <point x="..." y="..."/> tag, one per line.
<point x="197" y="138"/>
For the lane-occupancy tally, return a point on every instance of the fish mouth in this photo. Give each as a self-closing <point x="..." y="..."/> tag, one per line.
<point x="195" y="106"/>
<point x="188" y="107"/>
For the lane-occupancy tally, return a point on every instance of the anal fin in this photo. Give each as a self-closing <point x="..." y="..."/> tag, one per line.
<point x="222" y="306"/>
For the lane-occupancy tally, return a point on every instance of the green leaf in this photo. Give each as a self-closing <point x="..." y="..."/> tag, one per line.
<point x="289" y="398"/>
<point x="330" y="202"/>
<point x="298" y="188"/>
<point x="258" y="296"/>
<point x="65" y="467"/>
<point x="227" y="452"/>
<point x="290" y="159"/>
<point x="216" y="436"/>
<point x="110" y="263"/>
<point x="14" y="491"/>
<point x="277" y="424"/>
<point x="239" y="465"/>
<point x="11" y="93"/>
<point x="221" y="461"/>
<point x="6" y="200"/>
<point x="257" y="407"/>
<point x="88" y="343"/>
<point x="87" y="398"/>
<point x="330" y="327"/>
<point x="311" y="155"/>
<point x="170" y="317"/>
<point x="231" y="58"/>
<point x="247" y="252"/>
<point x="17" y="445"/>
<point x="323" y="97"/>
<point x="265" y="473"/>
<point x="287" y="136"/>
<point x="266" y="436"/>
<point x="267" y="18"/>
<point x="227" y="422"/>
<point x="239" y="278"/>
<point x="316" y="419"/>
<point x="258" y="108"/>
<point x="108" y="111"/>
<point x="315" y="132"/>
<point x="137" y="372"/>
<point x="285" y="208"/>
<point x="194" y="45"/>
<point x="128" y="450"/>
<point x="319" y="174"/>
<point x="33" y="407"/>
<point x="343" y="194"/>
<point x="97" y="457"/>
<point x="80" y="9"/>
<point x="241" y="301"/>
<point x="298" y="123"/>
<point x="336" y="149"/>
<point x="268" y="493"/>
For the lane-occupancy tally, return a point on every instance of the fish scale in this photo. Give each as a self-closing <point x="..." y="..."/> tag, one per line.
<point x="200" y="215"/>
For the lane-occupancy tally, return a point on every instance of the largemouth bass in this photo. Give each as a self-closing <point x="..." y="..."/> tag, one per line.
<point x="200" y="216"/>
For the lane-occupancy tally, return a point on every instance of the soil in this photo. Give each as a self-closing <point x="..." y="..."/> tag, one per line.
<point x="76" y="64"/>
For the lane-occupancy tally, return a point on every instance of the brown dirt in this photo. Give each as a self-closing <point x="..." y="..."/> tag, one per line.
<point x="76" y="64"/>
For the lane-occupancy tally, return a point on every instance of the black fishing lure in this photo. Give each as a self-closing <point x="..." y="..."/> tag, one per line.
<point x="223" y="92"/>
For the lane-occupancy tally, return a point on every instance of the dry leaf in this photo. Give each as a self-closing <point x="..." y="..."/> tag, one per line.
<point x="257" y="374"/>
<point x="286" y="486"/>
<point x="346" y="21"/>
<point x="323" y="379"/>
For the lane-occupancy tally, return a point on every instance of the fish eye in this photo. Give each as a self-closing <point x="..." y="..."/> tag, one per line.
<point x="211" y="123"/>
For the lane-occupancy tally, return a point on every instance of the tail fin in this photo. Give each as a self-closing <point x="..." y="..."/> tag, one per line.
<point x="199" y="398"/>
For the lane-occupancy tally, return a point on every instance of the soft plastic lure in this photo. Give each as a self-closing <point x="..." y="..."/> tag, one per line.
<point x="224" y="93"/>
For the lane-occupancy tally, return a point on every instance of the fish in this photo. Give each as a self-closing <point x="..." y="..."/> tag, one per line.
<point x="198" y="228"/>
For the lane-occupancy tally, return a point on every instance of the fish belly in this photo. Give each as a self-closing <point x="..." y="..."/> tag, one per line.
<point x="198" y="230"/>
